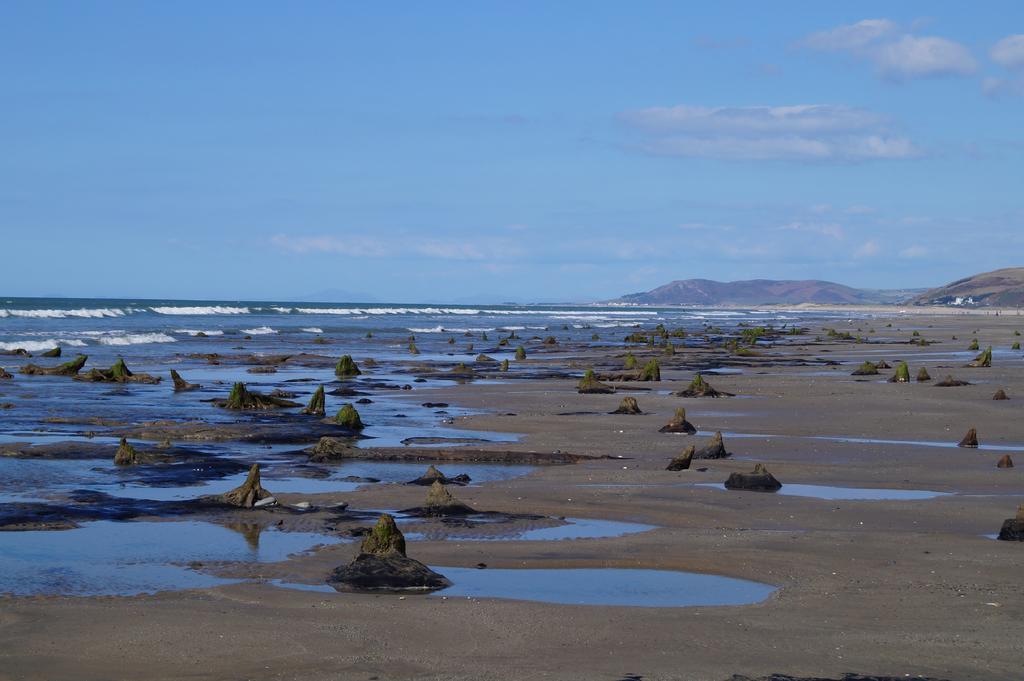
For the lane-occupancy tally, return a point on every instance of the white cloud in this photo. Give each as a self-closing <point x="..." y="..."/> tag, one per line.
<point x="919" y="57"/>
<point x="896" y="55"/>
<point x="852" y="36"/>
<point x="1000" y="87"/>
<point x="803" y="132"/>
<point x="915" y="251"/>
<point x="798" y="119"/>
<point x="868" y="249"/>
<point x="1009" y="51"/>
<point x="829" y="229"/>
<point x="444" y="249"/>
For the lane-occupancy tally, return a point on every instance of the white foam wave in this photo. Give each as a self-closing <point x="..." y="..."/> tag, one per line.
<point x="468" y="311"/>
<point x="259" y="331"/>
<point x="313" y="329"/>
<point x="63" y="314"/>
<point x="40" y="346"/>
<point x="135" y="339"/>
<point x="201" y="310"/>
<point x="451" y="329"/>
<point x="196" y="332"/>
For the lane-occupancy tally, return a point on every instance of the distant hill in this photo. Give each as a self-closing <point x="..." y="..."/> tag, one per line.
<point x="1001" y="288"/>
<point x="763" y="292"/>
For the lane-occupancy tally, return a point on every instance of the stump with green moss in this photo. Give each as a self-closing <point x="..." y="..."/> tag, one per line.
<point x="923" y="375"/>
<point x="243" y="399"/>
<point x="125" y="454"/>
<point x="984" y="360"/>
<point x="503" y="366"/>
<point x="346" y="368"/>
<point x="866" y="369"/>
<point x="117" y="373"/>
<point x="180" y="384"/>
<point x="385" y="538"/>
<point x="589" y="385"/>
<point x="650" y="372"/>
<point x="66" y="369"/>
<point x="413" y="350"/>
<point x="700" y="388"/>
<point x="317" y="404"/>
<point x="974" y="347"/>
<point x="520" y="353"/>
<point x="55" y="352"/>
<point x="902" y="374"/>
<point x="1015" y="346"/>
<point x="630" y="362"/>
<point x="348" y="417"/>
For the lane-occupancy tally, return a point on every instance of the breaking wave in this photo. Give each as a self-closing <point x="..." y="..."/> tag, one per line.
<point x="43" y="345"/>
<point x="135" y="339"/>
<point x="64" y="314"/>
<point x="202" y="310"/>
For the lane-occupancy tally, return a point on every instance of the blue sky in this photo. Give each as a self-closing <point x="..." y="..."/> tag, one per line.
<point x="504" y="151"/>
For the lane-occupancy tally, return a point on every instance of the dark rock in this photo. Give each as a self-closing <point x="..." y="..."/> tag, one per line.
<point x="434" y="475"/>
<point x="682" y="462"/>
<point x="970" y="439"/>
<point x="261" y="370"/>
<point x="714" y="449"/>
<point x="435" y="405"/>
<point x="1013" y="528"/>
<point x="678" y="424"/>
<point x="55" y="352"/>
<point x="16" y="352"/>
<point x="1004" y="462"/>
<point x="759" y="480"/>
<point x="5" y="374"/>
<point x="950" y="382"/>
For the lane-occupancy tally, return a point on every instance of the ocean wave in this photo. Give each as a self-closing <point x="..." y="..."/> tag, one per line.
<point x="313" y="329"/>
<point x="63" y="314"/>
<point x="259" y="331"/>
<point x="451" y="329"/>
<point x="196" y="332"/>
<point x="40" y="346"/>
<point x="135" y="339"/>
<point x="201" y="310"/>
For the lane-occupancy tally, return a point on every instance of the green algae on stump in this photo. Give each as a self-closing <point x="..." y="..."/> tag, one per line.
<point x="589" y="385"/>
<point x="382" y="565"/>
<point x="700" y="388"/>
<point x="866" y="369"/>
<point x="66" y="369"/>
<point x="984" y="360"/>
<point x="346" y="368"/>
<point x="923" y="375"/>
<point x="317" y="404"/>
<point x="650" y="372"/>
<point x="630" y="362"/>
<point x="520" y="353"/>
<point x="55" y="352"/>
<point x="125" y="454"/>
<point x="503" y="366"/>
<point x="974" y="345"/>
<point x="243" y="399"/>
<point x="902" y="374"/>
<point x="348" y="417"/>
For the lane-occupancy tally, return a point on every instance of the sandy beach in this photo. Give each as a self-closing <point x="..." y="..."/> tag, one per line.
<point x="894" y="587"/>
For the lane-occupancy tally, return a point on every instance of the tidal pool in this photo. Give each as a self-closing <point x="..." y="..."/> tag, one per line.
<point x="603" y="586"/>
<point x="849" y="493"/>
<point x="470" y="529"/>
<point x="127" y="558"/>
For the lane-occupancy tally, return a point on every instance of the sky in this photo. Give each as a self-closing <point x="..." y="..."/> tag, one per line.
<point x="497" y="151"/>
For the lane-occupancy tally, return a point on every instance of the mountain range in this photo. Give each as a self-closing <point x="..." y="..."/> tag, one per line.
<point x="1001" y="288"/>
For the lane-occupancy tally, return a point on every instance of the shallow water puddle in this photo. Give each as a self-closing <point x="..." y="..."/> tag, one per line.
<point x="603" y="586"/>
<point x="590" y="586"/>
<point x="574" y="528"/>
<point x="849" y="493"/>
<point x="126" y="558"/>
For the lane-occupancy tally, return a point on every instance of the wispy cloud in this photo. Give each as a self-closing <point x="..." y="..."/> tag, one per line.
<point x="896" y="54"/>
<point x="372" y="247"/>
<point x="815" y="132"/>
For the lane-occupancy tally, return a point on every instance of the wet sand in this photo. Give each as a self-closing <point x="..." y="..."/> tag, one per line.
<point x="873" y="587"/>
